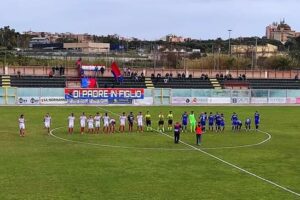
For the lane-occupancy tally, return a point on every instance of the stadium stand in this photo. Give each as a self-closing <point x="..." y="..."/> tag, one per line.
<point x="182" y="83"/>
<point x="260" y="84"/>
<point x="274" y="83"/>
<point x="38" y="81"/>
<point x="128" y="82"/>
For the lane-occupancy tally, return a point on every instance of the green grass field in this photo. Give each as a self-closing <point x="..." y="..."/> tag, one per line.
<point x="148" y="165"/>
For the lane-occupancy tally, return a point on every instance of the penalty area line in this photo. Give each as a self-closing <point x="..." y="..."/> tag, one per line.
<point x="225" y="162"/>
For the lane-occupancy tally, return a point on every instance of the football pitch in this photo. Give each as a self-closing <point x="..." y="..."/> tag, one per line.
<point x="230" y="165"/>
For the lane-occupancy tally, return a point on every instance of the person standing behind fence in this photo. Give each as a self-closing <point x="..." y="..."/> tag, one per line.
<point x="198" y="134"/>
<point x="177" y="130"/>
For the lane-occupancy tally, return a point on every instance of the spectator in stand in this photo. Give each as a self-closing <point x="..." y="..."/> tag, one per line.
<point x="190" y="76"/>
<point x="296" y="77"/>
<point x="171" y="76"/>
<point x="57" y="71"/>
<point x="206" y="77"/>
<point x="221" y="76"/>
<point x="78" y="66"/>
<point x="183" y="75"/>
<point x="53" y="70"/>
<point x="61" y="70"/>
<point x="152" y="76"/>
<point x="96" y="71"/>
<point x="128" y="72"/>
<point x="244" y="77"/>
<point x="142" y="75"/>
<point x="240" y="77"/>
<point x="178" y="75"/>
<point x="158" y="75"/>
<point x="217" y="76"/>
<point x="51" y="74"/>
<point x="124" y="71"/>
<point x="102" y="69"/>
<point x="19" y="74"/>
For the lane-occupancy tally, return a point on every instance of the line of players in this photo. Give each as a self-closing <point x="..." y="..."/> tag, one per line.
<point x="215" y="122"/>
<point x="94" y="123"/>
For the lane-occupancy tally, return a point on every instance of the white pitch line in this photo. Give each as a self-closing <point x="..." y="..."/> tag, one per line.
<point x="115" y="146"/>
<point x="244" y="146"/>
<point x="228" y="163"/>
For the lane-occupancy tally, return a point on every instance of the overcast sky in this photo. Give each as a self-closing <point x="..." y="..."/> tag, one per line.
<point x="150" y="19"/>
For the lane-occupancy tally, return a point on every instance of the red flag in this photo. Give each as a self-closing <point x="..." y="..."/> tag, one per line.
<point x="115" y="70"/>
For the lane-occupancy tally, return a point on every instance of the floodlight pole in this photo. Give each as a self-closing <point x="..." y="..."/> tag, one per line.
<point x="229" y="42"/>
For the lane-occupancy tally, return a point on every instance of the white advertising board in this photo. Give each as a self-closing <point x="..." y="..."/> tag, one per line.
<point x="28" y="100"/>
<point x="219" y="100"/>
<point x="240" y="100"/>
<point x="189" y="100"/>
<point x="87" y="101"/>
<point x="276" y="100"/>
<point x="259" y="100"/>
<point x="145" y="101"/>
<point x="53" y="100"/>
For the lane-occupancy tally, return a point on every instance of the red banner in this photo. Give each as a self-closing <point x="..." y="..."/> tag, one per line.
<point x="104" y="93"/>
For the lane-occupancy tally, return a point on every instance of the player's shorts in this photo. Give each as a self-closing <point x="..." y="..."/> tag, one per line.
<point x="130" y="123"/>
<point x="222" y="124"/>
<point x="47" y="125"/>
<point x="193" y="123"/>
<point x="184" y="123"/>
<point x="122" y="123"/>
<point x="113" y="123"/>
<point x="90" y="126"/>
<point x="82" y="124"/>
<point x="140" y="123"/>
<point x="148" y="122"/>
<point x="210" y="124"/>
<point x="202" y="123"/>
<point x="170" y="121"/>
<point x="71" y="125"/>
<point x="22" y="126"/>
<point x="106" y="124"/>
<point x="97" y="124"/>
<point x="256" y="122"/>
<point x="161" y="122"/>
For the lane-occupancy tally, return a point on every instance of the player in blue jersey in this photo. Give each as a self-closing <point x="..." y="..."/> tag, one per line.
<point x="184" y="119"/>
<point x="239" y="125"/>
<point x="217" y="122"/>
<point x="256" y="120"/>
<point x="234" y="119"/>
<point x="203" y="118"/>
<point x="248" y="124"/>
<point x="211" y="119"/>
<point x="222" y="122"/>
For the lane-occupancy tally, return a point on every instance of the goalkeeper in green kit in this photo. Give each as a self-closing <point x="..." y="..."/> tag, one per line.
<point x="193" y="121"/>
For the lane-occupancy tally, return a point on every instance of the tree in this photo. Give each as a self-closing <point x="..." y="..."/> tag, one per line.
<point x="294" y="50"/>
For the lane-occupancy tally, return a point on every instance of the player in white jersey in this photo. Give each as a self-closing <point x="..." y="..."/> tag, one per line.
<point x="90" y="122"/>
<point x="105" y="122"/>
<point x="47" y="122"/>
<point x="71" y="120"/>
<point x="22" y="125"/>
<point x="112" y="124"/>
<point x="139" y="118"/>
<point x="97" y="119"/>
<point x="122" y="122"/>
<point x="83" y="119"/>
